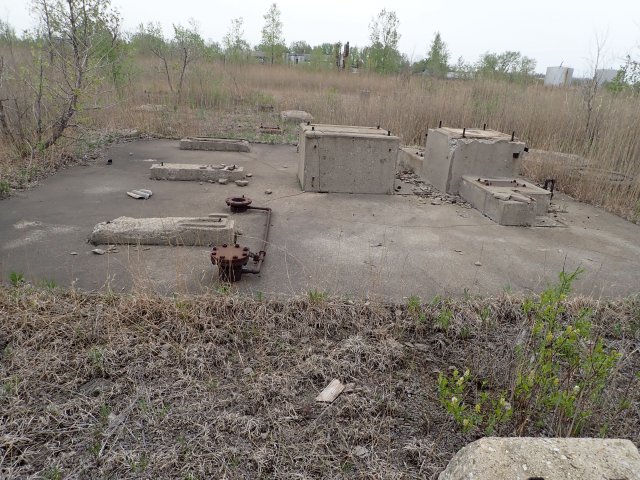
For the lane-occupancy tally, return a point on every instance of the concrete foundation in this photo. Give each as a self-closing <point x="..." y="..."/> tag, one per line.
<point x="346" y="159"/>
<point x="202" y="173"/>
<point x="411" y="158"/>
<point x="448" y="156"/>
<point x="215" y="144"/>
<point x="493" y="458"/>
<point x="214" y="229"/>
<point x="506" y="201"/>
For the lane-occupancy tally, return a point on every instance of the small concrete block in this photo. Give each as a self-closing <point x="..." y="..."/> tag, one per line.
<point x="506" y="201"/>
<point x="297" y="116"/>
<point x="242" y="183"/>
<point x="214" y="144"/>
<point x="494" y="458"/>
<point x="214" y="229"/>
<point x="223" y="181"/>
<point x="191" y="172"/>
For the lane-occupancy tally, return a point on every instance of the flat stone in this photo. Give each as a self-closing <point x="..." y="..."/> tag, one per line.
<point x="268" y="192"/>
<point x="214" y="144"/>
<point x="495" y="458"/>
<point x="214" y="229"/>
<point x="298" y="116"/>
<point x="242" y="183"/>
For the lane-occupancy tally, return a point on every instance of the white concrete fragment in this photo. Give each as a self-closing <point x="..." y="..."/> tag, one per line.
<point x="242" y="183"/>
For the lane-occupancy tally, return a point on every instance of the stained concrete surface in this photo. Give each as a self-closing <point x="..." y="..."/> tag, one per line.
<point x="380" y="246"/>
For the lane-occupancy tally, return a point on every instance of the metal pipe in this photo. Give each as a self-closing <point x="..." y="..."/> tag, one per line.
<point x="259" y="257"/>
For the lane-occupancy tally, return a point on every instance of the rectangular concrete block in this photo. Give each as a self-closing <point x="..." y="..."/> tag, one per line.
<point x="506" y="201"/>
<point x="523" y="458"/>
<point x="411" y="158"/>
<point x="448" y="156"/>
<point x="214" y="144"/>
<point x="202" y="173"/>
<point x="215" y="229"/>
<point x="347" y="159"/>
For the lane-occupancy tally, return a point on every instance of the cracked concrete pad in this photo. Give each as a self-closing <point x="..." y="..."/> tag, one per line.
<point x="214" y="229"/>
<point x="495" y="458"/>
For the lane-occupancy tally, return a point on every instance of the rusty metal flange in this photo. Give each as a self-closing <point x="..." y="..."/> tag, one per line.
<point x="238" y="204"/>
<point x="230" y="260"/>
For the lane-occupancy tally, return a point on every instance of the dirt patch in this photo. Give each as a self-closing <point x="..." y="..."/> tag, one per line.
<point x="224" y="386"/>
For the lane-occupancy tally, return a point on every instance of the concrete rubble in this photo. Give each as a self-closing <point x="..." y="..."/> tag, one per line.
<point x="214" y="144"/>
<point x="195" y="172"/>
<point x="518" y="458"/>
<point x="215" y="228"/>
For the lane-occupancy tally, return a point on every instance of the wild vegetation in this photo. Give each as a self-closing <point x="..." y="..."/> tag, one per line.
<point x="76" y="81"/>
<point x="105" y="385"/>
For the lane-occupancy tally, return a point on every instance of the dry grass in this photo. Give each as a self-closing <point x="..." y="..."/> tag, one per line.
<point x="105" y="386"/>
<point x="225" y="100"/>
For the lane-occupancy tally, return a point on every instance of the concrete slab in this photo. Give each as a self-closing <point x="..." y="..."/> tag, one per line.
<point x="195" y="172"/>
<point x="449" y="155"/>
<point x="494" y="458"/>
<point x="347" y="159"/>
<point x="506" y="201"/>
<point x="411" y="159"/>
<point x="214" y="144"/>
<point x="214" y="229"/>
<point x="383" y="246"/>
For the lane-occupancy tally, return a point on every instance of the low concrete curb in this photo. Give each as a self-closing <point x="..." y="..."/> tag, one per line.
<point x="191" y="172"/>
<point x="214" y="144"/>
<point x="215" y="229"/>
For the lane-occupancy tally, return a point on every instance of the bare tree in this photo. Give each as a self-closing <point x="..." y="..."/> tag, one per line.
<point x="73" y="42"/>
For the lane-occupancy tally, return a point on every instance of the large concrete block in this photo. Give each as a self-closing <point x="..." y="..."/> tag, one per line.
<point x="202" y="173"/>
<point x="506" y="201"/>
<point x="347" y="159"/>
<point x="494" y="458"/>
<point x="215" y="229"/>
<point x="488" y="153"/>
<point x="215" y="144"/>
<point x="411" y="158"/>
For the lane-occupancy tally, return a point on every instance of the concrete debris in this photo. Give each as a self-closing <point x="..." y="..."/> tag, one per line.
<point x="141" y="194"/>
<point x="249" y="175"/>
<point x="100" y="251"/>
<point x="195" y="172"/>
<point x="223" y="181"/>
<point x="331" y="391"/>
<point x="268" y="192"/>
<point x="427" y="191"/>
<point x="360" y="451"/>
<point x="214" y="144"/>
<point x="477" y="263"/>
<point x="73" y="253"/>
<point x="242" y="183"/>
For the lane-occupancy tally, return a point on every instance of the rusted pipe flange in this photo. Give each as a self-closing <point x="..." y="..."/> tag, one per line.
<point x="238" y="204"/>
<point x="230" y="260"/>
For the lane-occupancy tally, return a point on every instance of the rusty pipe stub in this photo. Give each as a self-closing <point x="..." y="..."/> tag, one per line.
<point x="238" y="204"/>
<point x="230" y="259"/>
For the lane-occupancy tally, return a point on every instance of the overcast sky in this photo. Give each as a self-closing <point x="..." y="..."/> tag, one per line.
<point x="550" y="31"/>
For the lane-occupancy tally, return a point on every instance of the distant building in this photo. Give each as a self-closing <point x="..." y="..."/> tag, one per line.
<point x="259" y="55"/>
<point x="605" y="75"/>
<point x="558" y="76"/>
<point x="296" y="58"/>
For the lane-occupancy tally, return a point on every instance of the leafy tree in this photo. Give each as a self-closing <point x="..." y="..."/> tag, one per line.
<point x="272" y="39"/>
<point x="383" y="53"/>
<point x="507" y="64"/>
<point x="235" y="46"/>
<point x="300" y="47"/>
<point x="628" y="77"/>
<point x="437" y="61"/>
<point x="189" y="46"/>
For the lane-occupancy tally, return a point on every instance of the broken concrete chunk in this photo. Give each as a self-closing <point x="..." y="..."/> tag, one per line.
<point x="223" y="181"/>
<point x="242" y="183"/>
<point x="268" y="192"/>
<point x="494" y="458"/>
<point x="99" y="251"/>
<point x="331" y="391"/>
